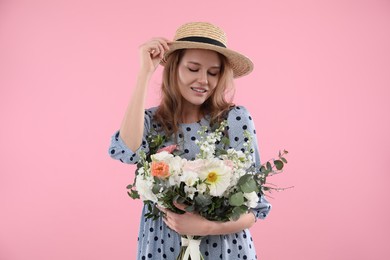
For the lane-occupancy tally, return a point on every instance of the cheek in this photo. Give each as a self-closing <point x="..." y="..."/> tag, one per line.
<point x="213" y="82"/>
<point x="212" y="86"/>
<point x="184" y="77"/>
<point x="180" y="77"/>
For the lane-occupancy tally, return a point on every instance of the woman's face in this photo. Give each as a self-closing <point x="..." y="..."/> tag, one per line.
<point x="198" y="74"/>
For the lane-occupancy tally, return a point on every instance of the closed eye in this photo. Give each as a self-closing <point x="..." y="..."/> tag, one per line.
<point x="196" y="70"/>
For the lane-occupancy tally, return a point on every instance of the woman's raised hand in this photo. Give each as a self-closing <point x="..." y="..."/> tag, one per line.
<point x="132" y="127"/>
<point x="152" y="52"/>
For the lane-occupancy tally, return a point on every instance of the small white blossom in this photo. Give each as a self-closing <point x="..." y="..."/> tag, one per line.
<point x="162" y="156"/>
<point x="189" y="178"/>
<point x="175" y="164"/>
<point x="201" y="188"/>
<point x="141" y="171"/>
<point x="252" y="199"/>
<point x="174" y="180"/>
<point x="190" y="191"/>
<point x="144" y="187"/>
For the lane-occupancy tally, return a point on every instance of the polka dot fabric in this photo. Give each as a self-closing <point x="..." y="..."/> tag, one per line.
<point x="155" y="239"/>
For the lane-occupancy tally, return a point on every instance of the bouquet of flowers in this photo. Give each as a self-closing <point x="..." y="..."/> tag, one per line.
<point x="220" y="184"/>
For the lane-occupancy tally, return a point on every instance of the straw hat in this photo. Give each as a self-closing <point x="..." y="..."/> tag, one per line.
<point x="202" y="35"/>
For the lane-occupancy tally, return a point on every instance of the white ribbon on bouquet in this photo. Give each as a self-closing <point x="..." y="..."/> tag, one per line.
<point x="192" y="248"/>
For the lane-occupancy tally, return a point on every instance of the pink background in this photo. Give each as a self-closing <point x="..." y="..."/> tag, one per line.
<point x="320" y="89"/>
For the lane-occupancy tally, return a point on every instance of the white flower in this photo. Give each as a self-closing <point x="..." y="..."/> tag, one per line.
<point x="239" y="159"/>
<point x="189" y="178"/>
<point x="174" y="180"/>
<point x="141" y="171"/>
<point x="144" y="187"/>
<point x="175" y="164"/>
<point x="190" y="191"/>
<point x="201" y="188"/>
<point x="162" y="156"/>
<point x="252" y="199"/>
<point x="217" y="176"/>
<point x="195" y="166"/>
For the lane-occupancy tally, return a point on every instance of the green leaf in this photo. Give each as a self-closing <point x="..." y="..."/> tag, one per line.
<point x="220" y="152"/>
<point x="283" y="159"/>
<point x="175" y="198"/>
<point x="202" y="200"/>
<point x="139" y="165"/>
<point x="156" y="189"/>
<point x="237" y="212"/>
<point x="225" y="141"/>
<point x="236" y="199"/>
<point x="157" y="180"/>
<point x="269" y="167"/>
<point x="155" y="210"/>
<point x="278" y="164"/>
<point x="247" y="183"/>
<point x="190" y="208"/>
<point x="180" y="200"/>
<point x="129" y="186"/>
<point x="133" y="194"/>
<point x="234" y="216"/>
<point x="244" y="179"/>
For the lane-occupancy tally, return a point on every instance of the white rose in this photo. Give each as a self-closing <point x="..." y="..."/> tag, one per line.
<point x="252" y="199"/>
<point x="144" y="188"/>
<point x="162" y="156"/>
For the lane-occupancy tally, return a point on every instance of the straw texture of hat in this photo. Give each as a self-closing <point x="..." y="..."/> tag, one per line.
<point x="202" y="35"/>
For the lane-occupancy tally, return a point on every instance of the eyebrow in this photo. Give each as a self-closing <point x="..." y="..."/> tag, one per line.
<point x="196" y="63"/>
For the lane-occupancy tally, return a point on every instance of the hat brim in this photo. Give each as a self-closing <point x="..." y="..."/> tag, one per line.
<point x="241" y="65"/>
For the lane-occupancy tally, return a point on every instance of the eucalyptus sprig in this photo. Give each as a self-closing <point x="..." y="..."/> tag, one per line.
<point x="269" y="168"/>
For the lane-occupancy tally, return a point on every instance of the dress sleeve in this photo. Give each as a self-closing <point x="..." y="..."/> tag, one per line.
<point x="120" y="151"/>
<point x="239" y="120"/>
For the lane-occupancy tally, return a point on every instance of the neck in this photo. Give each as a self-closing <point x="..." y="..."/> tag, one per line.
<point x="191" y="115"/>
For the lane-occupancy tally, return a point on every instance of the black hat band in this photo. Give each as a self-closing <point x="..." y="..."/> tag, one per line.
<point x="202" y="40"/>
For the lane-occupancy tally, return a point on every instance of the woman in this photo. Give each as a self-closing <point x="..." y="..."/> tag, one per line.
<point x="199" y="70"/>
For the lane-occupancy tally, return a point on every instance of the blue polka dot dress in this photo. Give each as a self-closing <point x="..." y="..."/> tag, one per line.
<point x="155" y="239"/>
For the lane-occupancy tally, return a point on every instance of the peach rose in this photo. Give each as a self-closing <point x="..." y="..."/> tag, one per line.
<point x="160" y="170"/>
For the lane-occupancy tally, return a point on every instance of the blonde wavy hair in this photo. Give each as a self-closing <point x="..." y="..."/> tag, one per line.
<point x="168" y="113"/>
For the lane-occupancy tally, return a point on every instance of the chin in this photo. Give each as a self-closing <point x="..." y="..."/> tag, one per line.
<point x="195" y="102"/>
<point x="199" y="103"/>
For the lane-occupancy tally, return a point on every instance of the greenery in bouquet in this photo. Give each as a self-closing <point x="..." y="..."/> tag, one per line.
<point x="220" y="184"/>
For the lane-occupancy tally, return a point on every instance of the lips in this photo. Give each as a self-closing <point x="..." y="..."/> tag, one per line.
<point x="199" y="90"/>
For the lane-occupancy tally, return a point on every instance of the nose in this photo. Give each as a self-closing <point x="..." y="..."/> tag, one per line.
<point x="203" y="78"/>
